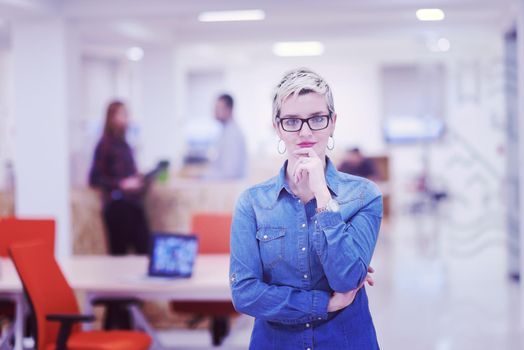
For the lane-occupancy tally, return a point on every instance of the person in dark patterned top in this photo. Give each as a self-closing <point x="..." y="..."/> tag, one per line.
<point x="114" y="172"/>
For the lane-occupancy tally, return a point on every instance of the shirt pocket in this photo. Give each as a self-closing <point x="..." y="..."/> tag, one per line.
<point x="271" y="245"/>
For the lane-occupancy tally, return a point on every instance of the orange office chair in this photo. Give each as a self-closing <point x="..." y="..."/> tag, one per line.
<point x="13" y="230"/>
<point x="213" y="231"/>
<point x="56" y="309"/>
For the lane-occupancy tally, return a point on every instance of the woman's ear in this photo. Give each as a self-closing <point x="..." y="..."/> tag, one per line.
<point x="277" y="129"/>
<point x="334" y="118"/>
<point x="333" y="123"/>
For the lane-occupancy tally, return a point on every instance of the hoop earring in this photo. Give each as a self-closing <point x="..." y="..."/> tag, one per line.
<point x="279" y="148"/>
<point x="332" y="145"/>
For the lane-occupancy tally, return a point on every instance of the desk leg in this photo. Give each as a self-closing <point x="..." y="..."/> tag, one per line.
<point x="19" y="322"/>
<point x="141" y="323"/>
<point x="88" y="310"/>
<point x="219" y="329"/>
<point x="5" y="340"/>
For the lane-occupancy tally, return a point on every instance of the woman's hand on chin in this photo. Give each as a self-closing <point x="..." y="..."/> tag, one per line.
<point x="309" y="167"/>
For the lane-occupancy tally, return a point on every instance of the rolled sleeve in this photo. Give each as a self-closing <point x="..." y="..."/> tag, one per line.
<point x="320" y="305"/>
<point x="328" y="219"/>
<point x="346" y="248"/>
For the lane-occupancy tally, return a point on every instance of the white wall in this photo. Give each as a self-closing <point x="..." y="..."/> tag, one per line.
<point x="352" y="68"/>
<point x="464" y="158"/>
<point x="6" y="116"/>
<point x="157" y="120"/>
<point x="102" y="79"/>
<point x="42" y="104"/>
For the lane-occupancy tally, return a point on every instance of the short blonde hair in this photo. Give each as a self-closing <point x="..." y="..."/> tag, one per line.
<point x="301" y="81"/>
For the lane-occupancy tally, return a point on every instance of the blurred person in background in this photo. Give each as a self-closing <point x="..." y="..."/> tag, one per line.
<point x="355" y="163"/>
<point x="302" y="242"/>
<point x="114" y="172"/>
<point x="230" y="161"/>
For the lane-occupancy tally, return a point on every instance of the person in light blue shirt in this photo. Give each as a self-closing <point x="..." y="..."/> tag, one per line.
<point x="302" y="242"/>
<point x="230" y="161"/>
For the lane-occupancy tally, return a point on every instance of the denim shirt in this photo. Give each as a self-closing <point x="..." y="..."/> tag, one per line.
<point x="287" y="260"/>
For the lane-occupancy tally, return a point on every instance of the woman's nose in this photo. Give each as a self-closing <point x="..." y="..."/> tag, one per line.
<point x="305" y="131"/>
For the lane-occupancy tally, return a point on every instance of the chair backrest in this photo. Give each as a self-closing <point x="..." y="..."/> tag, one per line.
<point x="46" y="287"/>
<point x="13" y="230"/>
<point x="213" y="231"/>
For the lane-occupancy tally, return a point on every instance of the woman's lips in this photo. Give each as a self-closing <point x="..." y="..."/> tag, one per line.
<point x="306" y="144"/>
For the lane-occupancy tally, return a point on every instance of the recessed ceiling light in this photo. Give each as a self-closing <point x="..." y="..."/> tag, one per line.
<point x="135" y="53"/>
<point x="231" y="16"/>
<point x="430" y="14"/>
<point x="443" y="44"/>
<point x="298" y="48"/>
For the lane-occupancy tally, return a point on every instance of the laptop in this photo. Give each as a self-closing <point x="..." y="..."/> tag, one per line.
<point x="172" y="255"/>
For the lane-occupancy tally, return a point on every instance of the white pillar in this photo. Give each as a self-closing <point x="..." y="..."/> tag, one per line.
<point x="160" y="133"/>
<point x="41" y="102"/>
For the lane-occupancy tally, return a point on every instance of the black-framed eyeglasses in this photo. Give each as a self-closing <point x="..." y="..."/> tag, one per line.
<point x="315" y="123"/>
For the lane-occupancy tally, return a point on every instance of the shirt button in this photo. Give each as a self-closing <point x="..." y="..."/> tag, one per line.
<point x="308" y="349"/>
<point x="265" y="236"/>
<point x="299" y="201"/>
<point x="303" y="249"/>
<point x="315" y="221"/>
<point x="303" y="225"/>
<point x="307" y="325"/>
<point x="320" y="318"/>
<point x="305" y="276"/>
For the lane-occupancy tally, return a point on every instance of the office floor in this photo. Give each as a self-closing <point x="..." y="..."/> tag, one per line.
<point x="438" y="287"/>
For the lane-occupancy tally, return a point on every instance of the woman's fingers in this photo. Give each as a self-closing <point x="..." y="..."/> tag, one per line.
<point x="302" y="152"/>
<point x="307" y="152"/>
<point x="297" y="171"/>
<point x="301" y="168"/>
<point x="370" y="280"/>
<point x="304" y="155"/>
<point x="296" y="165"/>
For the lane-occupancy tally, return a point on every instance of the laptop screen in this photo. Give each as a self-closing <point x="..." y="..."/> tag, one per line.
<point x="172" y="255"/>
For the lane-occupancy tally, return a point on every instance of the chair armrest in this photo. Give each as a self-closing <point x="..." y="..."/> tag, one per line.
<point x="66" y="325"/>
<point x="116" y="300"/>
<point x="70" y="318"/>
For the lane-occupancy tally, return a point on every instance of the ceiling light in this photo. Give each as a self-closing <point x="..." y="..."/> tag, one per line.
<point x="135" y="31"/>
<point x="135" y="54"/>
<point x="230" y="16"/>
<point x="298" y="48"/>
<point x="430" y="14"/>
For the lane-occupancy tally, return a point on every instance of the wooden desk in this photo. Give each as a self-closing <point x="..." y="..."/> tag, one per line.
<point x="107" y="276"/>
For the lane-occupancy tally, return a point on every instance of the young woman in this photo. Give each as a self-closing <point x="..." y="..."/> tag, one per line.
<point x="114" y="172"/>
<point x="302" y="242"/>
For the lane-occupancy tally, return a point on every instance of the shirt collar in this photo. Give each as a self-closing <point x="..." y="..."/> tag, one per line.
<point x="332" y="179"/>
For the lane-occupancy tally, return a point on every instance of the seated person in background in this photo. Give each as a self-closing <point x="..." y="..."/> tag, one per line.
<point x="114" y="172"/>
<point x="230" y="162"/>
<point x="355" y="163"/>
